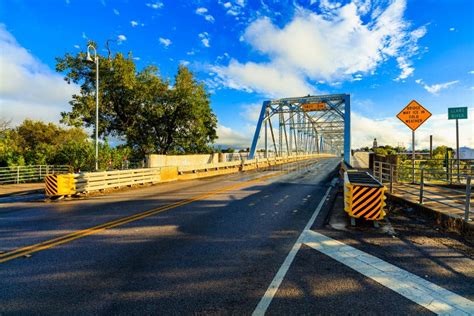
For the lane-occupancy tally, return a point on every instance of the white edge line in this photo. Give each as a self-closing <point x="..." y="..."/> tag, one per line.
<point x="276" y="282"/>
<point x="427" y="294"/>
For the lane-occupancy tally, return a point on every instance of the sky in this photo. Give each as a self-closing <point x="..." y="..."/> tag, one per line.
<point x="383" y="53"/>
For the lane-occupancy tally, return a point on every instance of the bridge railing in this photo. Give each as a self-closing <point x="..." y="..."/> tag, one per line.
<point x="86" y="182"/>
<point x="32" y="173"/>
<point x="435" y="185"/>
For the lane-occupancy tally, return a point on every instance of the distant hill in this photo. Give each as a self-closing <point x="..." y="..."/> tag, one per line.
<point x="466" y="153"/>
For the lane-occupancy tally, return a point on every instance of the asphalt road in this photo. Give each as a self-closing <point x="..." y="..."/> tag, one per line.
<point x="216" y="246"/>
<point x="214" y="253"/>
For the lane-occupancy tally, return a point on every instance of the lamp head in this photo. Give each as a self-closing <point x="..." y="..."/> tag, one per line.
<point x="88" y="57"/>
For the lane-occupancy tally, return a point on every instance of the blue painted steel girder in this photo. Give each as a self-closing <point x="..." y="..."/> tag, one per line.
<point x="325" y="125"/>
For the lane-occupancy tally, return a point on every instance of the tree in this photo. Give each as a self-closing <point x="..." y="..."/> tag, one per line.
<point x="36" y="142"/>
<point x="175" y="120"/>
<point x="39" y="141"/>
<point x="440" y="151"/>
<point x="140" y="106"/>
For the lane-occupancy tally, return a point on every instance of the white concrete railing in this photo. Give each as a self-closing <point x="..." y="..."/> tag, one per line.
<point x="205" y="167"/>
<point x="96" y="181"/>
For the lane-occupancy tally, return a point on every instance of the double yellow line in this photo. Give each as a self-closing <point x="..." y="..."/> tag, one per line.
<point x="10" y="255"/>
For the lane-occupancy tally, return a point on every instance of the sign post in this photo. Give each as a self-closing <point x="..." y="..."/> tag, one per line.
<point x="413" y="115"/>
<point x="456" y="114"/>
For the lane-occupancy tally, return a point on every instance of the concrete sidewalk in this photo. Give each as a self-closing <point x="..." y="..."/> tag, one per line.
<point x="21" y="189"/>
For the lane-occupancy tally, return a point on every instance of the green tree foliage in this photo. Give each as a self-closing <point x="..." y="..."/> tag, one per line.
<point x="440" y="152"/>
<point x="140" y="106"/>
<point x="36" y="143"/>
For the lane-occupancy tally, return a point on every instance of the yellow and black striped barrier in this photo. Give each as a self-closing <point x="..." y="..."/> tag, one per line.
<point x="59" y="184"/>
<point x="364" y="196"/>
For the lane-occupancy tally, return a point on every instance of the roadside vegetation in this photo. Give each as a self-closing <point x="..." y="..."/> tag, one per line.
<point x="150" y="113"/>
<point x="138" y="109"/>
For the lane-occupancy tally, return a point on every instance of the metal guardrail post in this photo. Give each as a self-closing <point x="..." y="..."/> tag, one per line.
<point x="421" y="185"/>
<point x="380" y="172"/>
<point x="467" y="209"/>
<point x="18" y="174"/>
<point x="39" y="173"/>
<point x="451" y="171"/>
<point x="391" y="178"/>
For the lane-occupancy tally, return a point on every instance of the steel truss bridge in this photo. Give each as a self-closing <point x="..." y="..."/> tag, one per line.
<point x="304" y="125"/>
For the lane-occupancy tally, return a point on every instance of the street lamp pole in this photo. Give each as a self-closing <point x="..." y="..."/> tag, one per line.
<point x="96" y="61"/>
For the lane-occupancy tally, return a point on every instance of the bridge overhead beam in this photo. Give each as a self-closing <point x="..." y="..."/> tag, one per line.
<point x="306" y="124"/>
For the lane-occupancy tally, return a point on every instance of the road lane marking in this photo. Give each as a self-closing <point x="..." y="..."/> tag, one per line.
<point x="276" y="282"/>
<point x="411" y="286"/>
<point x="10" y="255"/>
<point x="429" y="295"/>
<point x="23" y="251"/>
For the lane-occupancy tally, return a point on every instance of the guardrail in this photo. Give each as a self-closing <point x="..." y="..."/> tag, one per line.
<point x="95" y="181"/>
<point x="22" y="174"/>
<point x="405" y="178"/>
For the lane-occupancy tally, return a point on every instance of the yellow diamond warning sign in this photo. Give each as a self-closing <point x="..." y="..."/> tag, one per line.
<point x="413" y="115"/>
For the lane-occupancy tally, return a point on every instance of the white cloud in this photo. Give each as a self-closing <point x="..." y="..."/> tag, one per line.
<point x="329" y="46"/>
<point x="203" y="12"/>
<point x="435" y="88"/>
<point x="77" y="46"/>
<point x="229" y="137"/>
<point x="156" y="5"/>
<point x="32" y="89"/>
<point x="133" y="23"/>
<point x="406" y="67"/>
<point x="233" y="12"/>
<point x="116" y="12"/>
<point x="233" y="9"/>
<point x="136" y="58"/>
<point x="84" y="36"/>
<point x="262" y="78"/>
<point x="391" y="131"/>
<point x="121" y="38"/>
<point x="251" y="112"/>
<point x="388" y="131"/>
<point x="204" y="36"/>
<point x="452" y="29"/>
<point x="165" y="41"/>
<point x="209" y="18"/>
<point x="471" y="72"/>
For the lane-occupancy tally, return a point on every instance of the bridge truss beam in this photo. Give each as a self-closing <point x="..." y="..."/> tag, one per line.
<point x="311" y="124"/>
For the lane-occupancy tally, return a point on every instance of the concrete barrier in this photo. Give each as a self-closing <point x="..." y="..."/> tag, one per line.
<point x="168" y="173"/>
<point x="192" y="167"/>
<point x="157" y="161"/>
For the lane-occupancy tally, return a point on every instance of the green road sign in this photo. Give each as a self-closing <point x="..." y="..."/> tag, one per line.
<point x="457" y="113"/>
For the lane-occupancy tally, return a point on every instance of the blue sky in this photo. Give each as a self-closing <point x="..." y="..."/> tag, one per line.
<point x="384" y="53"/>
